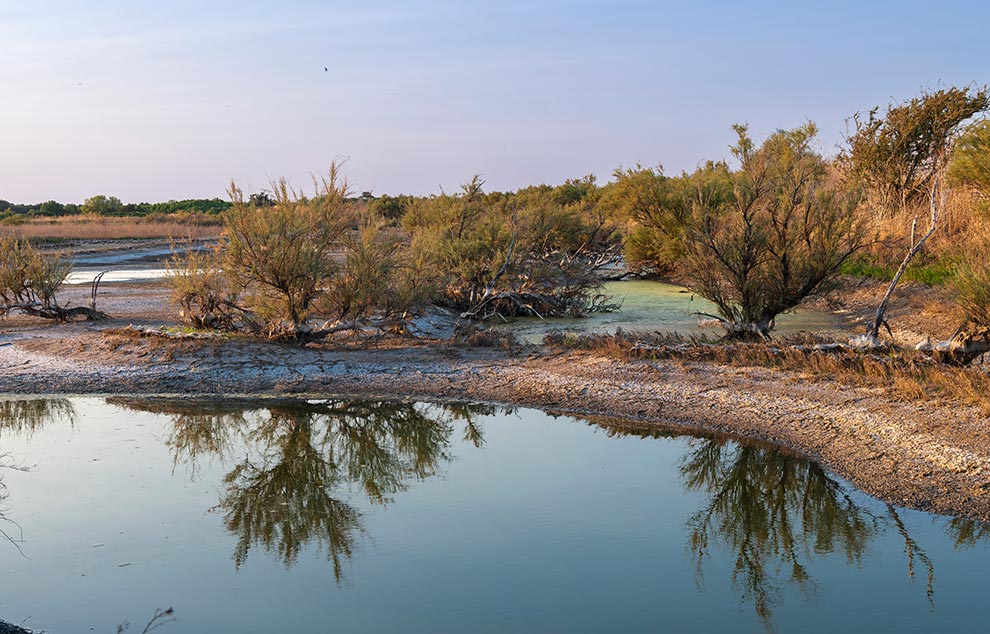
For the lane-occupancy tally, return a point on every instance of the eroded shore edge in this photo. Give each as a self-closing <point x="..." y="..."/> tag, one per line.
<point x="929" y="456"/>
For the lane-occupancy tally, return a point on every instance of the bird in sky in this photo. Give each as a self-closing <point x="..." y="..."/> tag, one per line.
<point x="325" y="69"/>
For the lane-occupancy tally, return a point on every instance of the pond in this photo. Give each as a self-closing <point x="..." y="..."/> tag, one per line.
<point x="353" y="516"/>
<point x="649" y="306"/>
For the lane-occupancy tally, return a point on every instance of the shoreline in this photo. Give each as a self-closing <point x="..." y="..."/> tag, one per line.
<point x="929" y="456"/>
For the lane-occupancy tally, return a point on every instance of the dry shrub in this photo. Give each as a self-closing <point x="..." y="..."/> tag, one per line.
<point x="907" y="375"/>
<point x="500" y="339"/>
<point x="29" y="279"/>
<point x="284" y="255"/>
<point x="206" y="297"/>
<point x="380" y="280"/>
<point x="972" y="279"/>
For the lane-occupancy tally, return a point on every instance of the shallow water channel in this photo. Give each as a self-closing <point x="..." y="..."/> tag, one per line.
<point x="649" y="306"/>
<point x="352" y="516"/>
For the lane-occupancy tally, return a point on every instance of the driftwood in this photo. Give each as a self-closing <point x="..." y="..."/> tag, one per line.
<point x="56" y="313"/>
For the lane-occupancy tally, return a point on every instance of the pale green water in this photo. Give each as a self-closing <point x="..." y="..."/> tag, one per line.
<point x="649" y="306"/>
<point x="340" y="516"/>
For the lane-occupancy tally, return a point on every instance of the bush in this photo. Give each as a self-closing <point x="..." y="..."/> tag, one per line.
<point x="283" y="256"/>
<point x="286" y="259"/>
<point x="206" y="296"/>
<point x="503" y="255"/>
<point x="783" y="236"/>
<point x="30" y="280"/>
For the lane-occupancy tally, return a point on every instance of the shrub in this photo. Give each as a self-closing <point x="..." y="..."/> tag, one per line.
<point x="782" y="237"/>
<point x="284" y="256"/>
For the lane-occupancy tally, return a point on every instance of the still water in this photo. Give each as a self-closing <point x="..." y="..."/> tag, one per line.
<point x="350" y="516"/>
<point x="649" y="306"/>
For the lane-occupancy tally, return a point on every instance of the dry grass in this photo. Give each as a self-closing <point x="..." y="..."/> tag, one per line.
<point x="107" y="228"/>
<point x="907" y="375"/>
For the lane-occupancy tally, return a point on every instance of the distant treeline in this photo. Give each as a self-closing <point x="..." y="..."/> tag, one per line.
<point x="112" y="206"/>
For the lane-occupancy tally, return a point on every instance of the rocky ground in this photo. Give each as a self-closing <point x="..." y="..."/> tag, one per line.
<point x="931" y="456"/>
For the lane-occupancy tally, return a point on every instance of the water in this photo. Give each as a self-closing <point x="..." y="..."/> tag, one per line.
<point x="650" y="306"/>
<point x="352" y="516"/>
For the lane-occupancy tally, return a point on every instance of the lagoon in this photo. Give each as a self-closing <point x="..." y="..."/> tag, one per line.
<point x="341" y="515"/>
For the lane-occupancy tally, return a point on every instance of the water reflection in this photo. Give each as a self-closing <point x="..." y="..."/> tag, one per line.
<point x="296" y="473"/>
<point x="28" y="415"/>
<point x="300" y="458"/>
<point x="774" y="512"/>
<point x="24" y="417"/>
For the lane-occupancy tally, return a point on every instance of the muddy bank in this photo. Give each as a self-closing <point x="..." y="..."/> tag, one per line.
<point x="934" y="457"/>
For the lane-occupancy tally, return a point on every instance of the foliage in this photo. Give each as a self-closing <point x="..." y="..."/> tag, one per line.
<point x="207" y="298"/>
<point x="505" y="255"/>
<point x="380" y="278"/>
<point x="283" y="256"/>
<point x="102" y="206"/>
<point x="969" y="166"/>
<point x="296" y="258"/>
<point x="29" y="279"/>
<point x="782" y="237"/>
<point x="896" y="154"/>
<point x="658" y="208"/>
<point x="972" y="281"/>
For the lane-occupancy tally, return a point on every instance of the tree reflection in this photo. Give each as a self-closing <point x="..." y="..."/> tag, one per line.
<point x="967" y="533"/>
<point x="25" y="417"/>
<point x="772" y="511"/>
<point x="28" y="415"/>
<point x="301" y="458"/>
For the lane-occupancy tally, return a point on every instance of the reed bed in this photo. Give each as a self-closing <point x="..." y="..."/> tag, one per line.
<point x="112" y="228"/>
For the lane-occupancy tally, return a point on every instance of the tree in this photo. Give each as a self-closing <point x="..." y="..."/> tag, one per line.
<point x="102" y="205"/>
<point x="896" y="154"/>
<point x="780" y="238"/>
<point x="659" y="208"/>
<point x="506" y="255"/>
<point x="900" y="159"/>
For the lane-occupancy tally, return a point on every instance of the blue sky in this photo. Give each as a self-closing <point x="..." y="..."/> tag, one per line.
<point x="158" y="100"/>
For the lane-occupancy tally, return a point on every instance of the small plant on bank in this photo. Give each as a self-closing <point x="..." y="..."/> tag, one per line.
<point x="30" y="281"/>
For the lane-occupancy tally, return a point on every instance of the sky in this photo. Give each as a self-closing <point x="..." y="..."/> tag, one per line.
<point x="151" y="100"/>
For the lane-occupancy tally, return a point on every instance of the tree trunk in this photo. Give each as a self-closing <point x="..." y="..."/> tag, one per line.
<point x="871" y="337"/>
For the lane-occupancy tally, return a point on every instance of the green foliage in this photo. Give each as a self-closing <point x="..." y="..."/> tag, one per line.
<point x="295" y="258"/>
<point x="283" y="255"/>
<point x="659" y="208"/>
<point x="207" y="298"/>
<point x="970" y="163"/>
<point x="896" y="154"/>
<point x="392" y="208"/>
<point x="972" y="281"/>
<point x="29" y="278"/>
<point x="938" y="272"/>
<point x="380" y="276"/>
<point x="528" y="253"/>
<point x="782" y="237"/>
<point x="103" y="206"/>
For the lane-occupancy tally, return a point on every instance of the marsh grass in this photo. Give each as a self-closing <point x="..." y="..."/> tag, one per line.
<point x="906" y="375"/>
<point x="88" y="227"/>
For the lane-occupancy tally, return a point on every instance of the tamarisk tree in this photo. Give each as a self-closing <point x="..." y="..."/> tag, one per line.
<point x="780" y="238"/>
